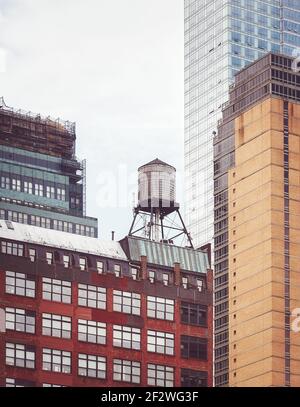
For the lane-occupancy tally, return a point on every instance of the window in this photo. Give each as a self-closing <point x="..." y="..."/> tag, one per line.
<point x="27" y="187"/>
<point x="35" y="220"/>
<point x="39" y="189"/>
<point x="193" y="378"/>
<point x="236" y="63"/>
<point x="134" y="273"/>
<point x="58" y="225"/>
<point x="9" y="225"/>
<point x="127" y="371"/>
<point x="22" y="218"/>
<point x="82" y="263"/>
<point x="160" y="308"/>
<point x="52" y="385"/>
<point x="80" y="230"/>
<point x="58" y="361"/>
<point x="57" y="290"/>
<point x="200" y="285"/>
<point x="20" y="320"/>
<point x="262" y="44"/>
<point x="50" y="192"/>
<point x="193" y="314"/>
<point x="100" y="267"/>
<point x="5" y="183"/>
<point x="91" y="366"/>
<point x="166" y="279"/>
<point x="185" y="282"/>
<point x="236" y="37"/>
<point x="67" y="227"/>
<point x="15" y="249"/>
<point x="49" y="258"/>
<point x="11" y="382"/>
<point x="20" y="355"/>
<point x="127" y="302"/>
<point x="32" y="255"/>
<point x="91" y="296"/>
<point x="193" y="348"/>
<point x="117" y="270"/>
<point x="92" y="332"/>
<point x="66" y="260"/>
<point x="19" y="284"/>
<point x="160" y="342"/>
<point x="56" y="325"/>
<point x="46" y="223"/>
<point x="127" y="337"/>
<point x="14" y="216"/>
<point x="2" y="214"/>
<point x="61" y="194"/>
<point x="236" y="49"/>
<point x="16" y="185"/>
<point x="151" y="276"/>
<point x="160" y="376"/>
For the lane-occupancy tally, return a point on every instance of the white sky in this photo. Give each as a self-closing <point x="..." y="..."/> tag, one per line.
<point x="113" y="66"/>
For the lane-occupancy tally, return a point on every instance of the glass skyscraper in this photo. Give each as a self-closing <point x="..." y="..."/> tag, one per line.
<point x="222" y="37"/>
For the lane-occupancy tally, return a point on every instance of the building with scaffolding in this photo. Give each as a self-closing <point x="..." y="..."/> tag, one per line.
<point x="42" y="183"/>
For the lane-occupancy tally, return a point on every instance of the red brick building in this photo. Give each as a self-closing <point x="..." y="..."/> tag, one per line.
<point x="76" y="311"/>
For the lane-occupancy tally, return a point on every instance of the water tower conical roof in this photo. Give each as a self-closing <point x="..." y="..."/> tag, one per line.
<point x="157" y="161"/>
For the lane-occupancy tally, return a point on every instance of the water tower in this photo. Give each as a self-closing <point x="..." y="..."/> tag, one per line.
<point x="157" y="216"/>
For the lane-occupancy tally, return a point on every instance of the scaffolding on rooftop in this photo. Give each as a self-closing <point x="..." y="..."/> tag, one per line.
<point x="37" y="133"/>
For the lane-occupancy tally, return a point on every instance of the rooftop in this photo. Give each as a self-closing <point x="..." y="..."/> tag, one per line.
<point x="60" y="240"/>
<point x="166" y="255"/>
<point x="130" y="248"/>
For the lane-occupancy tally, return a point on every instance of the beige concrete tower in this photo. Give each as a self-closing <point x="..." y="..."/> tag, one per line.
<point x="264" y="239"/>
<point x="257" y="246"/>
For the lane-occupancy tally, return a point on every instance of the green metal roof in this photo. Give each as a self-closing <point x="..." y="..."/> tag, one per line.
<point x="166" y="255"/>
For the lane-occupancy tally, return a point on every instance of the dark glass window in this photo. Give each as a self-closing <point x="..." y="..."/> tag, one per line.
<point x="193" y="314"/>
<point x="11" y="382"/>
<point x="193" y="348"/>
<point x="193" y="378"/>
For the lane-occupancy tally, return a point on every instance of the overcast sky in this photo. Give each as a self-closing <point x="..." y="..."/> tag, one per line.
<point x="113" y="66"/>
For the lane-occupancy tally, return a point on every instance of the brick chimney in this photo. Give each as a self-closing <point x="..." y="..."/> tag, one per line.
<point x="144" y="271"/>
<point x="177" y="276"/>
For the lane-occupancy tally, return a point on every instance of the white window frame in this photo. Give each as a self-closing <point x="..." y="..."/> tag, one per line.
<point x="126" y="371"/>
<point x="161" y="342"/>
<point x="151" y="276"/>
<point x="32" y="255"/>
<point x="39" y="189"/>
<point x="160" y="375"/>
<point x="100" y="267"/>
<point x="126" y="337"/>
<point x="66" y="260"/>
